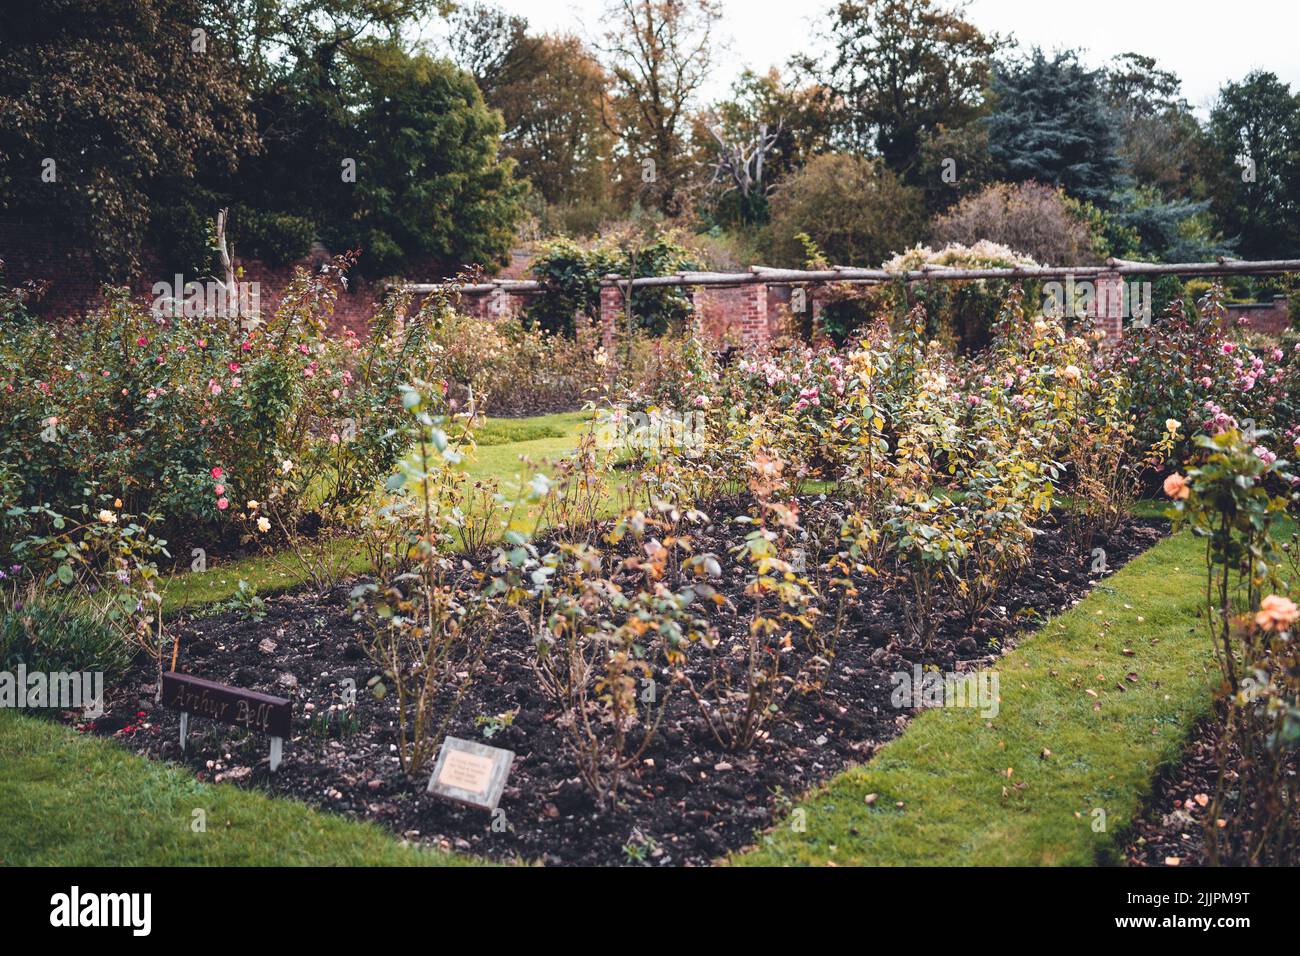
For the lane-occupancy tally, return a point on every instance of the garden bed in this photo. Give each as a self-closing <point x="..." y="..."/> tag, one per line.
<point x="691" y="802"/>
<point x="1172" y="828"/>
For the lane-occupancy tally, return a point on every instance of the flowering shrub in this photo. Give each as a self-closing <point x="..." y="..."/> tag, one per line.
<point x="1225" y="498"/>
<point x="184" y="415"/>
<point x="1197" y="371"/>
<point x="504" y="368"/>
<point x="102" y="562"/>
<point x="960" y="313"/>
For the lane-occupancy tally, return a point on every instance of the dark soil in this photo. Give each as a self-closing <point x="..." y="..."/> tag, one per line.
<point x="691" y="800"/>
<point x="1171" y="830"/>
<point x="532" y="405"/>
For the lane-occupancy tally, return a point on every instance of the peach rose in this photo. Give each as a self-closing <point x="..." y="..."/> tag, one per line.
<point x="1176" y="487"/>
<point x="1276" y="613"/>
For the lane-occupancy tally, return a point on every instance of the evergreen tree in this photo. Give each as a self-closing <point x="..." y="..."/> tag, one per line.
<point x="1051" y="123"/>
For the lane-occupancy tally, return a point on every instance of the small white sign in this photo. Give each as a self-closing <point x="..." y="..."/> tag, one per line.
<point x="471" y="773"/>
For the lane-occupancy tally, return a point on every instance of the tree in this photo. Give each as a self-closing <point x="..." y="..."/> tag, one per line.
<point x="1051" y="123"/>
<point x="659" y="52"/>
<point x="899" y="71"/>
<point x="554" y="121"/>
<point x="955" y="163"/>
<point x="1159" y="138"/>
<point x="490" y="45"/>
<point x="1031" y="218"/>
<point x="429" y="182"/>
<point x="367" y="144"/>
<point x="748" y="143"/>
<point x="272" y="39"/>
<point x="1178" y="230"/>
<point x="1254" y="131"/>
<point x="103" y="103"/>
<point x="856" y="210"/>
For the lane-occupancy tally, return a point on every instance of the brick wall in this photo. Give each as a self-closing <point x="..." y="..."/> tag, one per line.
<point x="742" y="314"/>
<point x="1271" y="318"/>
<point x="495" y="305"/>
<point x="611" y="316"/>
<point x="1109" y="305"/>
<point x="30" y="253"/>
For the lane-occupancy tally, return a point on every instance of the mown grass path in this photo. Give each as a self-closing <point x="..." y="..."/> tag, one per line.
<point x="503" y="441"/>
<point x="1060" y="772"/>
<point x="69" y="800"/>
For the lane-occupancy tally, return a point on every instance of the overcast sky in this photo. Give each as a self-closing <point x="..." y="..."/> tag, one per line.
<point x="1206" y="42"/>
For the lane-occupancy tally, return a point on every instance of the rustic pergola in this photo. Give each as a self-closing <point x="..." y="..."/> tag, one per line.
<point x="752" y="305"/>
<point x="765" y="275"/>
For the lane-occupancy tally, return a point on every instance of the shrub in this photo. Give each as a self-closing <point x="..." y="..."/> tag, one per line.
<point x="103" y="562"/>
<point x="186" y="414"/>
<point x="1196" y="370"/>
<point x="48" y="633"/>
<point x="962" y="312"/>
<point x="430" y="618"/>
<point x="924" y="533"/>
<point x="856" y="210"/>
<point x="570" y="278"/>
<point x="1225" y="498"/>
<point x="1031" y="218"/>
<point x="506" y="368"/>
<point x="570" y="275"/>
<point x="602" y="653"/>
<point x="746" y="687"/>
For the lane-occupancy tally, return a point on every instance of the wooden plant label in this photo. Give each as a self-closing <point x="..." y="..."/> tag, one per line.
<point x="471" y="773"/>
<point x="194" y="696"/>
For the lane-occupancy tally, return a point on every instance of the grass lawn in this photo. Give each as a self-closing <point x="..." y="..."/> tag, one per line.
<point x="1055" y="778"/>
<point x="69" y="800"/>
<point x="1024" y="788"/>
<point x="503" y="441"/>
